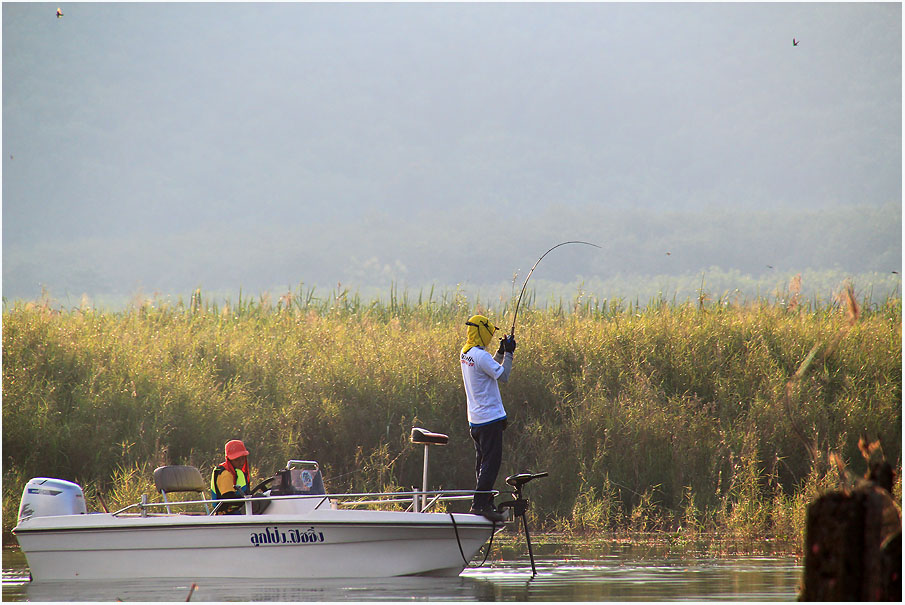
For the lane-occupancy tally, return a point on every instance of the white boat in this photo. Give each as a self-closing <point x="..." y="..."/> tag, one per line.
<point x="303" y="532"/>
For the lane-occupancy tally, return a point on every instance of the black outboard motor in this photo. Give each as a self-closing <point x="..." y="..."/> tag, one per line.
<point x="519" y="506"/>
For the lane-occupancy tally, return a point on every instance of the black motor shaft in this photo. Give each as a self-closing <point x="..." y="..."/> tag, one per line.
<point x="519" y="507"/>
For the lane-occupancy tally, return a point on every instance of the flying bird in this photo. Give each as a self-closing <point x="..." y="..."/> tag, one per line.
<point x="59" y="13"/>
<point x="794" y="42"/>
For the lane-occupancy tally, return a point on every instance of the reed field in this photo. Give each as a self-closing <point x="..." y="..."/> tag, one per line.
<point x="695" y="418"/>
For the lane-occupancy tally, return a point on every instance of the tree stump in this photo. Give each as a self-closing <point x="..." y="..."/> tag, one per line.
<point x="853" y="547"/>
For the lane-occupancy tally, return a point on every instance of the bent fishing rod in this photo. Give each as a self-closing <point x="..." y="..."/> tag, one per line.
<point x="519" y="301"/>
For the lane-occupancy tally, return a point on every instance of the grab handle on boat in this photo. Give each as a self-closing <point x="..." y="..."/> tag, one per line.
<point x="308" y="462"/>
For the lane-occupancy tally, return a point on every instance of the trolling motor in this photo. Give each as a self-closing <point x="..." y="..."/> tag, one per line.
<point x="519" y="506"/>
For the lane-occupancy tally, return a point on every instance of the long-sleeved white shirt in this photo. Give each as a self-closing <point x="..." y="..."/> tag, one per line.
<point x="481" y="373"/>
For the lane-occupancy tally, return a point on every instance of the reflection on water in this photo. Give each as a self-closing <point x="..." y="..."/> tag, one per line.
<point x="748" y="579"/>
<point x="565" y="573"/>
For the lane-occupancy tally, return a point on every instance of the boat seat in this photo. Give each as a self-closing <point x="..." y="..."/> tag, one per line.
<point x="179" y="478"/>
<point x="425" y="437"/>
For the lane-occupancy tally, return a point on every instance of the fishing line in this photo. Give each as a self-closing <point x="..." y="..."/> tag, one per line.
<point x="519" y="301"/>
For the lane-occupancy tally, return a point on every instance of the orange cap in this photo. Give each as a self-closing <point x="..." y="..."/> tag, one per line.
<point x="235" y="449"/>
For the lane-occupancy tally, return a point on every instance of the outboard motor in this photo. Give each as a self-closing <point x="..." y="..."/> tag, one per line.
<point x="45" y="497"/>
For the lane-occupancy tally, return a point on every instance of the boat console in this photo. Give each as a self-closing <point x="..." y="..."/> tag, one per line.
<point x="299" y="478"/>
<point x="293" y="480"/>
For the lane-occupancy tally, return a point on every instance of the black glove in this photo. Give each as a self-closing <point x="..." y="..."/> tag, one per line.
<point x="508" y="344"/>
<point x="502" y="348"/>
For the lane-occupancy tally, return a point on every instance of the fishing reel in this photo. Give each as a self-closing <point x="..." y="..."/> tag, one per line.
<point x="519" y="506"/>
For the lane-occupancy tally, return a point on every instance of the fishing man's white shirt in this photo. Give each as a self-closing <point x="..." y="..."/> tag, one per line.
<point x="480" y="372"/>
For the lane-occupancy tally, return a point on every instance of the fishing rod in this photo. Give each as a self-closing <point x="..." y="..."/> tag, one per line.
<point x="518" y="302"/>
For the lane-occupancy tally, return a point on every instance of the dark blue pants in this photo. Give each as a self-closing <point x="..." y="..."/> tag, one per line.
<point x="488" y="445"/>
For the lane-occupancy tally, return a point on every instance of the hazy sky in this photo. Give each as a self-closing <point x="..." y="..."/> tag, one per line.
<point x="165" y="146"/>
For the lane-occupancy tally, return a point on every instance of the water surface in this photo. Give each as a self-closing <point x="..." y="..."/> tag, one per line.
<point x="565" y="573"/>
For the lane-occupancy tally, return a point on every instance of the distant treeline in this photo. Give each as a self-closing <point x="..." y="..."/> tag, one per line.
<point x="644" y="253"/>
<point x="663" y="416"/>
<point x="713" y="285"/>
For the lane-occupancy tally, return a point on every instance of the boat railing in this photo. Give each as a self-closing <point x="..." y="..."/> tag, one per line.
<point x="417" y="501"/>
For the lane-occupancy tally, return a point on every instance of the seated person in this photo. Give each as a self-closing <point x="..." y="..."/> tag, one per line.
<point x="230" y="478"/>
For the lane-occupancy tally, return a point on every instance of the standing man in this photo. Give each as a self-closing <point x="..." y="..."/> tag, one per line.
<point x="481" y="374"/>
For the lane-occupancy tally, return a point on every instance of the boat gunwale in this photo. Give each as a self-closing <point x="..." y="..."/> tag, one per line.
<point x="473" y="521"/>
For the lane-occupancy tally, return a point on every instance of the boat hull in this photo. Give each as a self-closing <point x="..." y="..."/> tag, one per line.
<point x="322" y="544"/>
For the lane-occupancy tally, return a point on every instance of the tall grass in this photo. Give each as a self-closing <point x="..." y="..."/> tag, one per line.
<point x="668" y="416"/>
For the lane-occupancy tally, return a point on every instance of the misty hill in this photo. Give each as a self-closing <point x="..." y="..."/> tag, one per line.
<point x="374" y="252"/>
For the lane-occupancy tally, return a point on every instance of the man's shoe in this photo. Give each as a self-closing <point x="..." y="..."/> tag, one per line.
<point x="495" y="516"/>
<point x="489" y="513"/>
